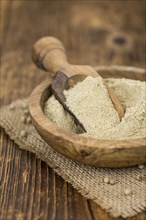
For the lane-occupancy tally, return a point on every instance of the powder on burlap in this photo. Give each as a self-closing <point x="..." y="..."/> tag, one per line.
<point x="90" y="102"/>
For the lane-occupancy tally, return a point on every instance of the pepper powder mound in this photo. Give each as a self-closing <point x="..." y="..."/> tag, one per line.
<point x="90" y="102"/>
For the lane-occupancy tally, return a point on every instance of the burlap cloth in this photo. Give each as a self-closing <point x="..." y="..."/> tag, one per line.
<point x="89" y="181"/>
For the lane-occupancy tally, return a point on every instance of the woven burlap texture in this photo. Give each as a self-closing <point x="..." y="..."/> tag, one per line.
<point x="89" y="181"/>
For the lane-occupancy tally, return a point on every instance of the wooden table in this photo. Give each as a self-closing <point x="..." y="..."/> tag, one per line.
<point x="94" y="32"/>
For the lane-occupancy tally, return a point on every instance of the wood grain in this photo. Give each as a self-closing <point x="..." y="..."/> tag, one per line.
<point x="29" y="189"/>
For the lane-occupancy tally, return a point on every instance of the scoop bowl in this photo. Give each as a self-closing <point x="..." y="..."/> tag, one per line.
<point x="99" y="153"/>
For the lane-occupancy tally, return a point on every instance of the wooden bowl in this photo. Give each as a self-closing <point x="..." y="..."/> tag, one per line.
<point x="99" y="153"/>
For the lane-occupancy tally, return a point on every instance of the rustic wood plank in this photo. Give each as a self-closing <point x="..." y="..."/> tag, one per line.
<point x="29" y="189"/>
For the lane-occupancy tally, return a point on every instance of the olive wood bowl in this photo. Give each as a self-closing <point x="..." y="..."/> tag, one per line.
<point x="99" y="153"/>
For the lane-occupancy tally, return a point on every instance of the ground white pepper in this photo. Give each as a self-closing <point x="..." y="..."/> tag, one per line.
<point x="112" y="181"/>
<point x="90" y="101"/>
<point x="106" y="179"/>
<point x="141" y="166"/>
<point x="127" y="192"/>
<point x="23" y="133"/>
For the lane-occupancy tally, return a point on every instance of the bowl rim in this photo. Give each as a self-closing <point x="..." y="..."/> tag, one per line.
<point x="51" y="128"/>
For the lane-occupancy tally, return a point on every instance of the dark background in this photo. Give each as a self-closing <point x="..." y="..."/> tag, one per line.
<point x="94" y="32"/>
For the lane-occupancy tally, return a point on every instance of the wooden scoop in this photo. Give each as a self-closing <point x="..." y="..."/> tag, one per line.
<point x="49" y="54"/>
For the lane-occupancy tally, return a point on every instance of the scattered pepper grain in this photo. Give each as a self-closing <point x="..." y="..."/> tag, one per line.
<point x="112" y="181"/>
<point x="106" y="179"/>
<point x="23" y="134"/>
<point x="127" y="192"/>
<point x="141" y="166"/>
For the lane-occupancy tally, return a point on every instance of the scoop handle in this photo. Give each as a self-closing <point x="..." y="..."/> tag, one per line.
<point x="48" y="53"/>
